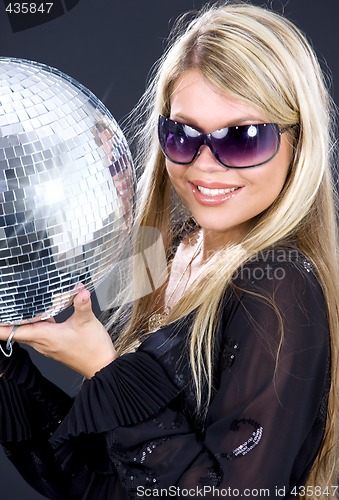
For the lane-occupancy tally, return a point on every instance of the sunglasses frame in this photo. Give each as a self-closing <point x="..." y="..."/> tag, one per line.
<point x="207" y="142"/>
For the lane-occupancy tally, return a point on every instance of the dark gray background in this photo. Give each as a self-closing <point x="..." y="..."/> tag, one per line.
<point x="110" y="47"/>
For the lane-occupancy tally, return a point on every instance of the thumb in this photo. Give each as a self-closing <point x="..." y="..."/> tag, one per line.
<point x="83" y="306"/>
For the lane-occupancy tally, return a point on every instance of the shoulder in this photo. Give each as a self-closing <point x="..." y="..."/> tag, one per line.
<point x="281" y="283"/>
<point x="281" y="265"/>
<point x="278" y="292"/>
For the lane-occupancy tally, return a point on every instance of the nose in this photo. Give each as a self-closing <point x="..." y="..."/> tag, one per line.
<point x="206" y="160"/>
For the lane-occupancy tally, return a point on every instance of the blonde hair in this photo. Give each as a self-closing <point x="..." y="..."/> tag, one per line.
<point x="263" y="59"/>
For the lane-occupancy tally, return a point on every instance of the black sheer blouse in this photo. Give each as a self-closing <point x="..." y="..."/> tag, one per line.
<point x="132" y="431"/>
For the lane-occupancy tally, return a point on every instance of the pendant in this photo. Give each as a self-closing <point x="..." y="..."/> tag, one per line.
<point x="157" y="320"/>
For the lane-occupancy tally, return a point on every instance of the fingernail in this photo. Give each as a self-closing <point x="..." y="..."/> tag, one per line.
<point x="85" y="296"/>
<point x="78" y="287"/>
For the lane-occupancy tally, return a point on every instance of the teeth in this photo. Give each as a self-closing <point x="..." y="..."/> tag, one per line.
<point x="215" y="192"/>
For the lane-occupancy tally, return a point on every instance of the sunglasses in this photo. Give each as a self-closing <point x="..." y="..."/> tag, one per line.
<point x="242" y="146"/>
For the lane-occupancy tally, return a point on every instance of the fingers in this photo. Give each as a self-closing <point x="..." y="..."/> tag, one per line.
<point x="26" y="333"/>
<point x="83" y="306"/>
<point x="49" y="337"/>
<point x="50" y="320"/>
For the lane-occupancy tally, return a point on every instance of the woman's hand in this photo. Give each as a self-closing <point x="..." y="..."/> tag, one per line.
<point x="81" y="342"/>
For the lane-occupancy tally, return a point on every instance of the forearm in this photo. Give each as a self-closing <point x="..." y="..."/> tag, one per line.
<point x="29" y="403"/>
<point x="35" y="461"/>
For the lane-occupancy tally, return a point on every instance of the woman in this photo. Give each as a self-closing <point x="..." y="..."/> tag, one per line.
<point x="223" y="382"/>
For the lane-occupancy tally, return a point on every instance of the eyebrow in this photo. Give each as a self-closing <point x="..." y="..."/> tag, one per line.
<point x="248" y="120"/>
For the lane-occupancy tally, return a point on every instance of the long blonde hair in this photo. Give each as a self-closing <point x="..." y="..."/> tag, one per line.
<point x="264" y="60"/>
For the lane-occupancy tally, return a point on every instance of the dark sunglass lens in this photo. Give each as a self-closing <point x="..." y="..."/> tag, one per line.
<point x="179" y="142"/>
<point x="247" y="146"/>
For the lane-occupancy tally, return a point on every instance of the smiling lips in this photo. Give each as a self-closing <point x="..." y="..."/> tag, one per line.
<point x="213" y="193"/>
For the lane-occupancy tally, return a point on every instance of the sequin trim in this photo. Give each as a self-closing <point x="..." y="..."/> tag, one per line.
<point x="231" y="348"/>
<point x="171" y="425"/>
<point x="308" y="266"/>
<point x="131" y="475"/>
<point x="248" y="445"/>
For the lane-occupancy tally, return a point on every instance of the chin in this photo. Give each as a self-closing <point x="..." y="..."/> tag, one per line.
<point x="233" y="231"/>
<point x="214" y="226"/>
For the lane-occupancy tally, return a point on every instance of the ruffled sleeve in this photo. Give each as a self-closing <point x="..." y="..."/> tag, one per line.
<point x="122" y="393"/>
<point x="126" y="392"/>
<point x="29" y="403"/>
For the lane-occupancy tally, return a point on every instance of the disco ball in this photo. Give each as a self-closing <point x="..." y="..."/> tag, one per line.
<point x="66" y="190"/>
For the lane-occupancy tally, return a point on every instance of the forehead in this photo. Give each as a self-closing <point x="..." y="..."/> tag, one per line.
<point x="194" y="97"/>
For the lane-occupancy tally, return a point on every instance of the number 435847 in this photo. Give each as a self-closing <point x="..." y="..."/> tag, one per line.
<point x="29" y="8"/>
<point x="315" y="491"/>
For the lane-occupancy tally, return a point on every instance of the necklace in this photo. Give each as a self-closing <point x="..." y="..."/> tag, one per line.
<point x="157" y="320"/>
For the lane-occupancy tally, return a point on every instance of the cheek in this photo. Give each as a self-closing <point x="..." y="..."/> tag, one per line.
<point x="264" y="189"/>
<point x="272" y="177"/>
<point x="175" y="172"/>
<point x="284" y="157"/>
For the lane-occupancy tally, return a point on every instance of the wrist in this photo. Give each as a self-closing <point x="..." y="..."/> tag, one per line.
<point x="99" y="365"/>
